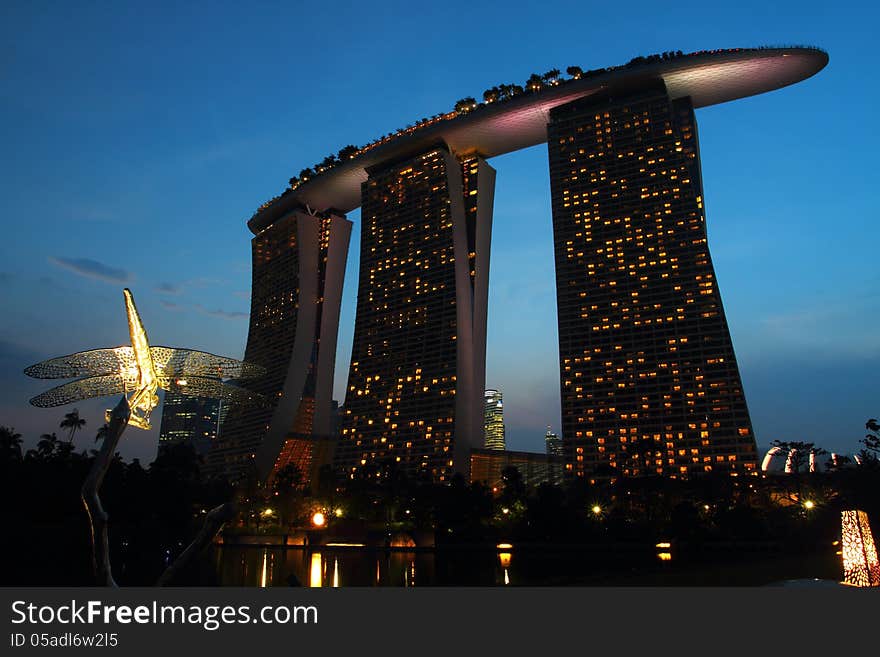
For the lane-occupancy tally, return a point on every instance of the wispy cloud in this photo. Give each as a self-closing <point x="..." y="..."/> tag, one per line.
<point x="170" y="305"/>
<point x="168" y="288"/>
<point x="223" y="314"/>
<point x="92" y="269"/>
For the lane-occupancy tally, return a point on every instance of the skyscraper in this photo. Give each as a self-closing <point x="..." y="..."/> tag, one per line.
<point x="494" y="420"/>
<point x="553" y="443"/>
<point x="649" y="380"/>
<point x="190" y="419"/>
<point x="298" y="269"/>
<point x="417" y="371"/>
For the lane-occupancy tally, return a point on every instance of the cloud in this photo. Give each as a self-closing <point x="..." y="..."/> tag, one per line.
<point x="92" y="269"/>
<point x="170" y="305"/>
<point x="168" y="288"/>
<point x="224" y="314"/>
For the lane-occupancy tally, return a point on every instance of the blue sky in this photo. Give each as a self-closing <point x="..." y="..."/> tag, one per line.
<point x="139" y="137"/>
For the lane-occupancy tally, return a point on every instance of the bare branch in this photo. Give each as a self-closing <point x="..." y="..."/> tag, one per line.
<point x="97" y="516"/>
<point x="216" y="518"/>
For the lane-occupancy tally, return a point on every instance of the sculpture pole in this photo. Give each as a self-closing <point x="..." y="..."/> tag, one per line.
<point x="97" y="516"/>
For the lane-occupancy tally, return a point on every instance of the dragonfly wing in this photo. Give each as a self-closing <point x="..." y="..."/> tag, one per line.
<point x="201" y="386"/>
<point x="94" y="386"/>
<point x="189" y="363"/>
<point x="84" y="363"/>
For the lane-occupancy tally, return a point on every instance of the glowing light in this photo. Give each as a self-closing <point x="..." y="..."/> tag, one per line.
<point x="263" y="577"/>
<point x="267" y="512"/>
<point x="505" y="510"/>
<point x="809" y="504"/>
<point x="504" y="546"/>
<point x="315" y="579"/>
<point x="860" y="565"/>
<point x="664" y="556"/>
<point x="504" y="558"/>
<point x="664" y="544"/>
<point x="336" y="573"/>
<point x="345" y="544"/>
<point x="596" y="509"/>
<point x="338" y="512"/>
<point x="318" y="519"/>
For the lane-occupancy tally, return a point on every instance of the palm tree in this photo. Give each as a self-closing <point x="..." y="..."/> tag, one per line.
<point x="102" y="432"/>
<point x="10" y="444"/>
<point x="46" y="446"/>
<point x="72" y="421"/>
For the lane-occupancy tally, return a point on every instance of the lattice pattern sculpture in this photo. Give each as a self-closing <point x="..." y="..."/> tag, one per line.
<point x="140" y="370"/>
<point x="860" y="566"/>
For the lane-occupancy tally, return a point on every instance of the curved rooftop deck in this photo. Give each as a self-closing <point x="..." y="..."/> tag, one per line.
<point x="501" y="127"/>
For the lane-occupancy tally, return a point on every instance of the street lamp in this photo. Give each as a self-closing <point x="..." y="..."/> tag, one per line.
<point x="318" y="519"/>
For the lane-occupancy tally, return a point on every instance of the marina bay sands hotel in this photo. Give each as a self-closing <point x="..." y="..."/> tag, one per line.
<point x="648" y="377"/>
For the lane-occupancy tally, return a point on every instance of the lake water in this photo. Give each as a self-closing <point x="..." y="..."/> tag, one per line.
<point x="347" y="566"/>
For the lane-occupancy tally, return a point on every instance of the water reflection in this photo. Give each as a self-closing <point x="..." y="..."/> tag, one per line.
<point x="316" y="578"/>
<point x="504" y="559"/>
<point x="340" y="567"/>
<point x="263" y="579"/>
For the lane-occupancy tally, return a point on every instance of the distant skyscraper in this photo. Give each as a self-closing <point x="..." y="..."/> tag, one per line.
<point x="190" y="419"/>
<point x="553" y="443"/>
<point x="650" y="383"/>
<point x="494" y="421"/>
<point x="417" y="373"/>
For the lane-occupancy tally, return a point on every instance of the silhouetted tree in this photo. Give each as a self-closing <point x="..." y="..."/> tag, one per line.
<point x="72" y="422"/>
<point x="871" y="441"/>
<point x="10" y="444"/>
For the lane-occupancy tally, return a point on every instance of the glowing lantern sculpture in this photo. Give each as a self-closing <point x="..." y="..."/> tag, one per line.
<point x="860" y="566"/>
<point x="140" y="370"/>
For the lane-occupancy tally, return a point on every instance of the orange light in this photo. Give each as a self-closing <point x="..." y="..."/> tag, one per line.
<point x="318" y="519"/>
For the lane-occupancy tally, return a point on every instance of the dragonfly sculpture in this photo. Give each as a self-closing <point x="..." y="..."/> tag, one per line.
<point x="139" y="371"/>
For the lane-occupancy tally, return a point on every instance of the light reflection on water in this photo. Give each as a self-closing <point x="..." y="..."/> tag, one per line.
<point x="274" y="566"/>
<point x="340" y="567"/>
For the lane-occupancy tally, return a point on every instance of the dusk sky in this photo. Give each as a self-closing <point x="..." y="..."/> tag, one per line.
<point x="138" y="138"/>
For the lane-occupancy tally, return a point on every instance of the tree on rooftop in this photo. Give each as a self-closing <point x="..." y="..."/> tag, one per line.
<point x="347" y="152"/>
<point x="551" y="76"/>
<point x="466" y="104"/>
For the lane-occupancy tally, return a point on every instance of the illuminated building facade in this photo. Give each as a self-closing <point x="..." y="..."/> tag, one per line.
<point x="493" y="418"/>
<point x="649" y="380"/>
<point x="415" y="387"/>
<point x="191" y="419"/>
<point x="298" y="270"/>
<point x="487" y="466"/>
<point x="553" y="443"/>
